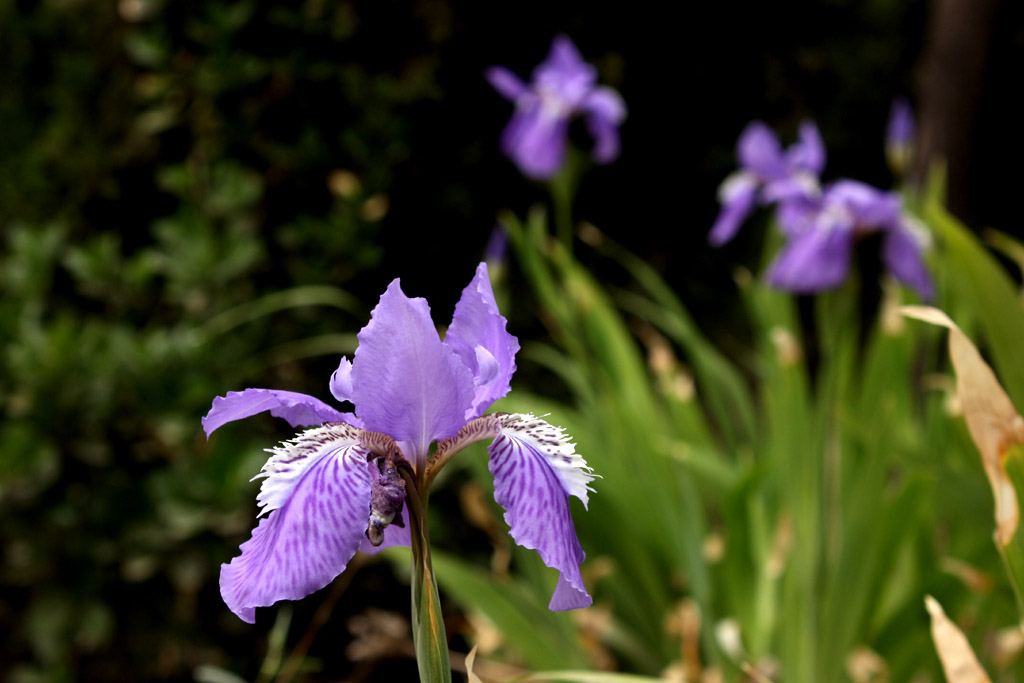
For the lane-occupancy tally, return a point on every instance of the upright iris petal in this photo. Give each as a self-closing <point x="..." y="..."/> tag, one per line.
<point x="405" y="382"/>
<point x="563" y="86"/>
<point x="477" y="334"/>
<point x="339" y="487"/>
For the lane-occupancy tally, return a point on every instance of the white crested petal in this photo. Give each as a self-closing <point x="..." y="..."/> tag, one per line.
<point x="555" y="447"/>
<point x="316" y="496"/>
<point x="536" y="468"/>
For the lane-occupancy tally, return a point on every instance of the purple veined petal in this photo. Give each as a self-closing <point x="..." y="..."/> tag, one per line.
<point x="808" y="153"/>
<point x="505" y="82"/>
<point x="298" y="409"/>
<point x="536" y="469"/>
<point x="737" y="195"/>
<point x="341" y="381"/>
<point x="479" y="337"/>
<point x="405" y="382"/>
<point x="535" y="139"/>
<point x="605" y="112"/>
<point x="903" y="255"/>
<point x="758" y="150"/>
<point x="317" y="493"/>
<point x="815" y="260"/>
<point x="564" y="75"/>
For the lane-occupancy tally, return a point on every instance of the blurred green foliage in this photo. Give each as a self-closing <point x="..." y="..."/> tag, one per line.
<point x="169" y="233"/>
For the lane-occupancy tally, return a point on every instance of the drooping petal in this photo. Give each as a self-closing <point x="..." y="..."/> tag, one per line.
<point x="605" y="112"/>
<point x="405" y="382"/>
<point x="505" y="82"/>
<point x="903" y="255"/>
<point x="737" y="195"/>
<point x="808" y="152"/>
<point x="536" y="469"/>
<point x="341" y="381"/>
<point x="815" y="260"/>
<point x="478" y="336"/>
<point x="317" y="493"/>
<point x="298" y="409"/>
<point x="758" y="150"/>
<point x="535" y="139"/>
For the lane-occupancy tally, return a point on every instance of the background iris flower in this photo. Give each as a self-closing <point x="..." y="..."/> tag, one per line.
<point x="563" y="86"/>
<point x="341" y="486"/>
<point x="767" y="174"/>
<point x="821" y="233"/>
<point x="820" y="226"/>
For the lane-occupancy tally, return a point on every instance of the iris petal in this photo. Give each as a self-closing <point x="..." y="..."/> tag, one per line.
<point x="535" y="139"/>
<point x="605" y="111"/>
<point x="505" y="82"/>
<point x="298" y="409"/>
<point x="564" y="74"/>
<point x="903" y="256"/>
<point x="759" y="150"/>
<point x="317" y="490"/>
<point x="536" y="469"/>
<point x="341" y="381"/>
<point x="405" y="382"/>
<point x="815" y="260"/>
<point x="477" y="323"/>
<point x="809" y="151"/>
<point x="738" y="194"/>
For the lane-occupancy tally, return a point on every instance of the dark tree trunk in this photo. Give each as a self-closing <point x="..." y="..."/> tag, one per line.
<point x="950" y="80"/>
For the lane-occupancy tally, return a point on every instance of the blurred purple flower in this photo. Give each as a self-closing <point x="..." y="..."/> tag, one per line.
<point x="899" y="135"/>
<point x="563" y="86"/>
<point x="337" y="487"/>
<point x="767" y="174"/>
<point x="821" y="232"/>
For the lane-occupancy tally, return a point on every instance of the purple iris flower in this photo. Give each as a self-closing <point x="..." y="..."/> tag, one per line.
<point x="563" y="86"/>
<point x="899" y="135"/>
<point x="334" y="489"/>
<point x="821" y="232"/>
<point x="767" y="174"/>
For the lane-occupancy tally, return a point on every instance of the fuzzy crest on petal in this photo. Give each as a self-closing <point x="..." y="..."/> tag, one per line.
<point x="557" y="449"/>
<point x="535" y="469"/>
<point x="318" y="494"/>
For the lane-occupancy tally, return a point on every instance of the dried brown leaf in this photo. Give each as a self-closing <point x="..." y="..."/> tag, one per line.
<point x="955" y="653"/>
<point x="470" y="676"/>
<point x="991" y="418"/>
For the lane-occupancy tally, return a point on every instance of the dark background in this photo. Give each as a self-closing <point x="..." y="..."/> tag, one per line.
<point x="164" y="162"/>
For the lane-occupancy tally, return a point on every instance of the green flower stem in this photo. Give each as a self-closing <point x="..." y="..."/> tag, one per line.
<point x="563" y="191"/>
<point x="427" y="623"/>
